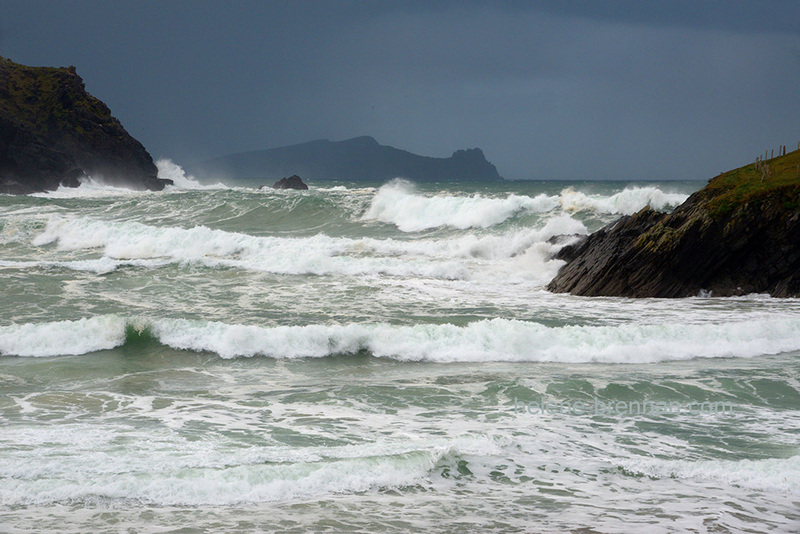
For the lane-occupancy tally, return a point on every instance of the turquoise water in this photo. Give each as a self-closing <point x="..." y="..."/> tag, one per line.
<point x="375" y="357"/>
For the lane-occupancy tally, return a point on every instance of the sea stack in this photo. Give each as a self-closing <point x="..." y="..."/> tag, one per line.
<point x="737" y="235"/>
<point x="53" y="133"/>
<point x="292" y="182"/>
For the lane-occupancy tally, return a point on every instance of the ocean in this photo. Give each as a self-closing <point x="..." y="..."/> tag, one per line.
<point x="377" y="357"/>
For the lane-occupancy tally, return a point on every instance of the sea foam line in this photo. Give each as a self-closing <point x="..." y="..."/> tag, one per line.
<point x="206" y="472"/>
<point x="771" y="474"/>
<point x="485" y="340"/>
<point x="136" y="244"/>
<point x="94" y="188"/>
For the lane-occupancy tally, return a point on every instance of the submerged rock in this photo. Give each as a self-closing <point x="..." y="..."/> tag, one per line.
<point x="53" y="133"/>
<point x="738" y="235"/>
<point x="292" y="182"/>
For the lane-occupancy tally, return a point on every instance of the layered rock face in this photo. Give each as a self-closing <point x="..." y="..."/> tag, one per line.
<point x="52" y="133"/>
<point x="738" y="235"/>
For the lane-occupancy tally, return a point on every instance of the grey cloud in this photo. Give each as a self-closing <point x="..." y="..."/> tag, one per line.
<point x="629" y="90"/>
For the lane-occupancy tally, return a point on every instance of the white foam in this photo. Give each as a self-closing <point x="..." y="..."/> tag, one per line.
<point x="172" y="171"/>
<point x="63" y="337"/>
<point x="490" y="340"/>
<point x="100" y="266"/>
<point x="486" y="340"/>
<point x="772" y="474"/>
<point x="160" y="469"/>
<point x="124" y="242"/>
<point x="397" y="203"/>
<point x="400" y="204"/>
<point x="626" y="202"/>
<point x="335" y="188"/>
<point x="89" y="188"/>
<point x="175" y="485"/>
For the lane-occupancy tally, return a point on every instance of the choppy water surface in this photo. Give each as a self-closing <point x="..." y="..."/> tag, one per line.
<point x="375" y="358"/>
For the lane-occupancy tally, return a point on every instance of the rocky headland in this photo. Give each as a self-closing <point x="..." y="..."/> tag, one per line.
<point x="740" y="234"/>
<point x="53" y="133"/>
<point x="358" y="159"/>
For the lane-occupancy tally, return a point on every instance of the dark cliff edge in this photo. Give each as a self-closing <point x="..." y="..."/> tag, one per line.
<point x="738" y="235"/>
<point x="359" y="159"/>
<point x="53" y="133"/>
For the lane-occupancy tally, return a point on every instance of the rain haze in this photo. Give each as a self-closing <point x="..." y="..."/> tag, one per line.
<point x="567" y="90"/>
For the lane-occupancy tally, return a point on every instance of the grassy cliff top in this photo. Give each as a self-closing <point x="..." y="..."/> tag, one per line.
<point x="755" y="182"/>
<point x="48" y="98"/>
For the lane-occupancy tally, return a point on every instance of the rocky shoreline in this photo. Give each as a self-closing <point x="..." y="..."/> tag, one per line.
<point x="738" y="235"/>
<point x="53" y="133"/>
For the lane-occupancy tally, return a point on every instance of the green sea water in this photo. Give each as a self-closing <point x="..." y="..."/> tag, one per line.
<point x="375" y="357"/>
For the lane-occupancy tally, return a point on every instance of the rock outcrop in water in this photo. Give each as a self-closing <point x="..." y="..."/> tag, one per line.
<point x="740" y="234"/>
<point x="53" y="133"/>
<point x="361" y="158"/>
<point x="292" y="182"/>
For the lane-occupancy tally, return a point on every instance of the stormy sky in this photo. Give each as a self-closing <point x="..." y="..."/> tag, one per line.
<point x="629" y="90"/>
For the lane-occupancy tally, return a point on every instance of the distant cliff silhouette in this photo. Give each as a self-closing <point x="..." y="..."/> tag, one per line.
<point x="361" y="158"/>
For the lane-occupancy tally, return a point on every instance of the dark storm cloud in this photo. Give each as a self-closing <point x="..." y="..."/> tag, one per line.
<point x="629" y="90"/>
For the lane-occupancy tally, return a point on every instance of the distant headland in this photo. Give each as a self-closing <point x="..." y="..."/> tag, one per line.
<point x="740" y="234"/>
<point x="358" y="159"/>
<point x="53" y="133"/>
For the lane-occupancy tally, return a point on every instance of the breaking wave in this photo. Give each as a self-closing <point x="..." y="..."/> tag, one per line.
<point x="485" y="340"/>
<point x="781" y="474"/>
<point x="172" y="171"/>
<point x="90" y="188"/>
<point x="137" y="244"/>
<point x="207" y="473"/>
<point x="626" y="202"/>
<point x="400" y="204"/>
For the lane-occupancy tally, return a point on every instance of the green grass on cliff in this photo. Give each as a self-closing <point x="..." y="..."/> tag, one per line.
<point x="48" y="97"/>
<point x="775" y="179"/>
<point x="754" y="182"/>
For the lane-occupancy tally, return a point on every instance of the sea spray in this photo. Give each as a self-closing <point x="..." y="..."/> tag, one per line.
<point x="399" y="203"/>
<point x="172" y="171"/>
<point x="626" y="202"/>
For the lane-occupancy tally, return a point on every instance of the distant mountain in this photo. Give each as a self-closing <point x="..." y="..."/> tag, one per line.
<point x="361" y="158"/>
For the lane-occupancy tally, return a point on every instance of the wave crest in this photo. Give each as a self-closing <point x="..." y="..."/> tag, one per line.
<point x="485" y="340"/>
<point x="140" y="245"/>
<point x="398" y="203"/>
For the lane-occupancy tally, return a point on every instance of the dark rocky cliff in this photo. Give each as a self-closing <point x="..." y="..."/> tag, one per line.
<point x="738" y="235"/>
<point x="52" y="133"/>
<point x="360" y="158"/>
